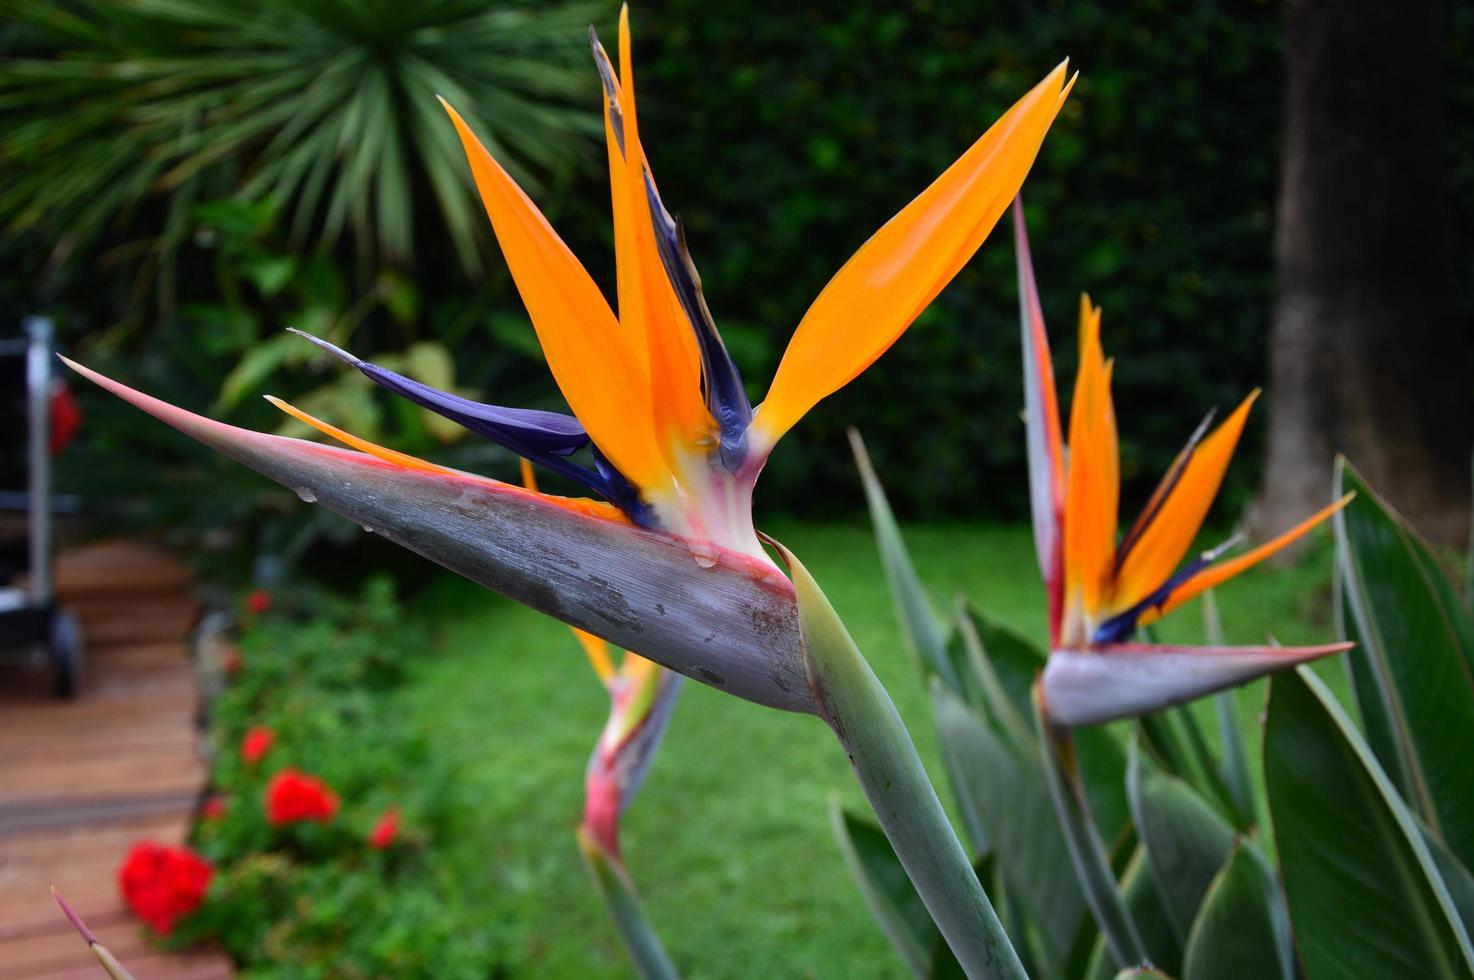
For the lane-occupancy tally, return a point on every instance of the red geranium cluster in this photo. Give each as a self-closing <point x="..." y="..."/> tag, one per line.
<point x="293" y="796"/>
<point x="162" y="884"/>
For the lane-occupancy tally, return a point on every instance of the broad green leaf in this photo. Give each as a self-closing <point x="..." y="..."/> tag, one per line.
<point x="1004" y="790"/>
<point x="1185" y="838"/>
<point x="889" y="893"/>
<point x="1415" y="684"/>
<point x="1149" y="916"/>
<point x="1241" y="930"/>
<point x="1101" y="753"/>
<point x="1456" y="878"/>
<point x="920" y="626"/>
<point x="1361" y="886"/>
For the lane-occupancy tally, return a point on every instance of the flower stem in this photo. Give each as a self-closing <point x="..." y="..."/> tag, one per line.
<point x="856" y="706"/>
<point x="1082" y="838"/>
<point x="625" y="908"/>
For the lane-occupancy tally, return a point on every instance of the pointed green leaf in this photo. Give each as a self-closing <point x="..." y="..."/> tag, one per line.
<point x="920" y="626"/>
<point x="1233" y="767"/>
<point x="1364" y="895"/>
<point x="625" y="908"/>
<point x="856" y="706"/>
<point x="1241" y="929"/>
<point x="889" y="893"/>
<point x="1456" y="878"/>
<point x="1006" y="793"/>
<point x="1147" y="912"/>
<point x="1002" y="666"/>
<point x="1185" y="838"/>
<point x="1416" y="683"/>
<point x="1087" y="852"/>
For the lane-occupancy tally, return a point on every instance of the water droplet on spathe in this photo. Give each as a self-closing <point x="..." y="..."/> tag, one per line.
<point x="703" y="552"/>
<point x="306" y="494"/>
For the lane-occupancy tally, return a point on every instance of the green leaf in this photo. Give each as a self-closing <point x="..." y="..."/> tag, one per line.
<point x="1147" y="912"/>
<point x="1185" y="838"/>
<point x="1001" y="666"/>
<point x="922" y="629"/>
<point x="1087" y="853"/>
<point x="628" y="913"/>
<point x="1241" y="930"/>
<point x="1005" y="791"/>
<point x="856" y="706"/>
<point x="1414" y="675"/>
<point x="1456" y="878"/>
<point x="1233" y="767"/>
<point x="1362" y="889"/>
<point x="889" y="893"/>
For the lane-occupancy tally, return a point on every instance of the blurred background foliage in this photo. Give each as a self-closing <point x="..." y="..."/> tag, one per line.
<point x="185" y="179"/>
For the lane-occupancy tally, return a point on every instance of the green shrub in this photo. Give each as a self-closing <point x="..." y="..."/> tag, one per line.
<point x="315" y="899"/>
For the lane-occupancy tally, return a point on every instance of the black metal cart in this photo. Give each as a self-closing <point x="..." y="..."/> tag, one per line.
<point x="32" y="627"/>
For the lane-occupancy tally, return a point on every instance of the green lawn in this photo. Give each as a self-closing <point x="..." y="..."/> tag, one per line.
<point x="729" y="841"/>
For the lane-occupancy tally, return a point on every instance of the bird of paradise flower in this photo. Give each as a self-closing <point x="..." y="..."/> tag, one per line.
<point x="668" y="562"/>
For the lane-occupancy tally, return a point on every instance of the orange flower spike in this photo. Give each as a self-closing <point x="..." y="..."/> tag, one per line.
<point x="679" y="415"/>
<point x="1101" y="592"/>
<point x="884" y="286"/>
<point x="354" y="442"/>
<point x="1175" y="513"/>
<point x="1092" y="481"/>
<point x="1217" y="574"/>
<point x="589" y="355"/>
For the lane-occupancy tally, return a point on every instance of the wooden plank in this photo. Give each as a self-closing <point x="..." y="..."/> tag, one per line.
<point x="82" y="781"/>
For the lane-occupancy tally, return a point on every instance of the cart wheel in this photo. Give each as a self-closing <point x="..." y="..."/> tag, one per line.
<point x="65" y="648"/>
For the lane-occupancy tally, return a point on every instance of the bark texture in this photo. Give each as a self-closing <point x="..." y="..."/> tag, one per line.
<point x="1365" y="327"/>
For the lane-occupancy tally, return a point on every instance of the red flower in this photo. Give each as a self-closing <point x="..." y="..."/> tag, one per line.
<point x="386" y="831"/>
<point x="258" y="601"/>
<point x="163" y="884"/>
<point x="213" y="808"/>
<point x="256" y="743"/>
<point x="294" y="796"/>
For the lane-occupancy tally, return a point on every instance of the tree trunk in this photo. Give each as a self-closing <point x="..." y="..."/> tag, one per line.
<point x="1363" y="355"/>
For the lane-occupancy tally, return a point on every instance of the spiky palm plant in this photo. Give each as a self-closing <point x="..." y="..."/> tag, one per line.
<point x="118" y="106"/>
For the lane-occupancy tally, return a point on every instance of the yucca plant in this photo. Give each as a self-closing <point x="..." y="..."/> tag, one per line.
<point x="326" y="106"/>
<point x="1366" y="874"/>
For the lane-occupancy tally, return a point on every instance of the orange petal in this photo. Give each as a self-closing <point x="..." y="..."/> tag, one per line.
<point x="656" y="321"/>
<point x="892" y="278"/>
<point x="354" y="442"/>
<point x="1092" y="485"/>
<point x="591" y="359"/>
<point x="1215" y="575"/>
<point x="1175" y="513"/>
<point x="598" y="654"/>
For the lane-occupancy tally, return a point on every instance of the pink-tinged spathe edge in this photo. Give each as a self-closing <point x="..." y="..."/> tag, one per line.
<point x="1044" y="435"/>
<point x="209" y="431"/>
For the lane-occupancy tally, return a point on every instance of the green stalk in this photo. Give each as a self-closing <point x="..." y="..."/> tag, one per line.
<point x="856" y="706"/>
<point x="623" y="902"/>
<point x="1082" y="838"/>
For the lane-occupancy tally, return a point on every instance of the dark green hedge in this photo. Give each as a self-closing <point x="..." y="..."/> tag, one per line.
<point x="786" y="136"/>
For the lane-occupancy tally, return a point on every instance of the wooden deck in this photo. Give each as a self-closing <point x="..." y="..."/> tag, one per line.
<point x="80" y="781"/>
